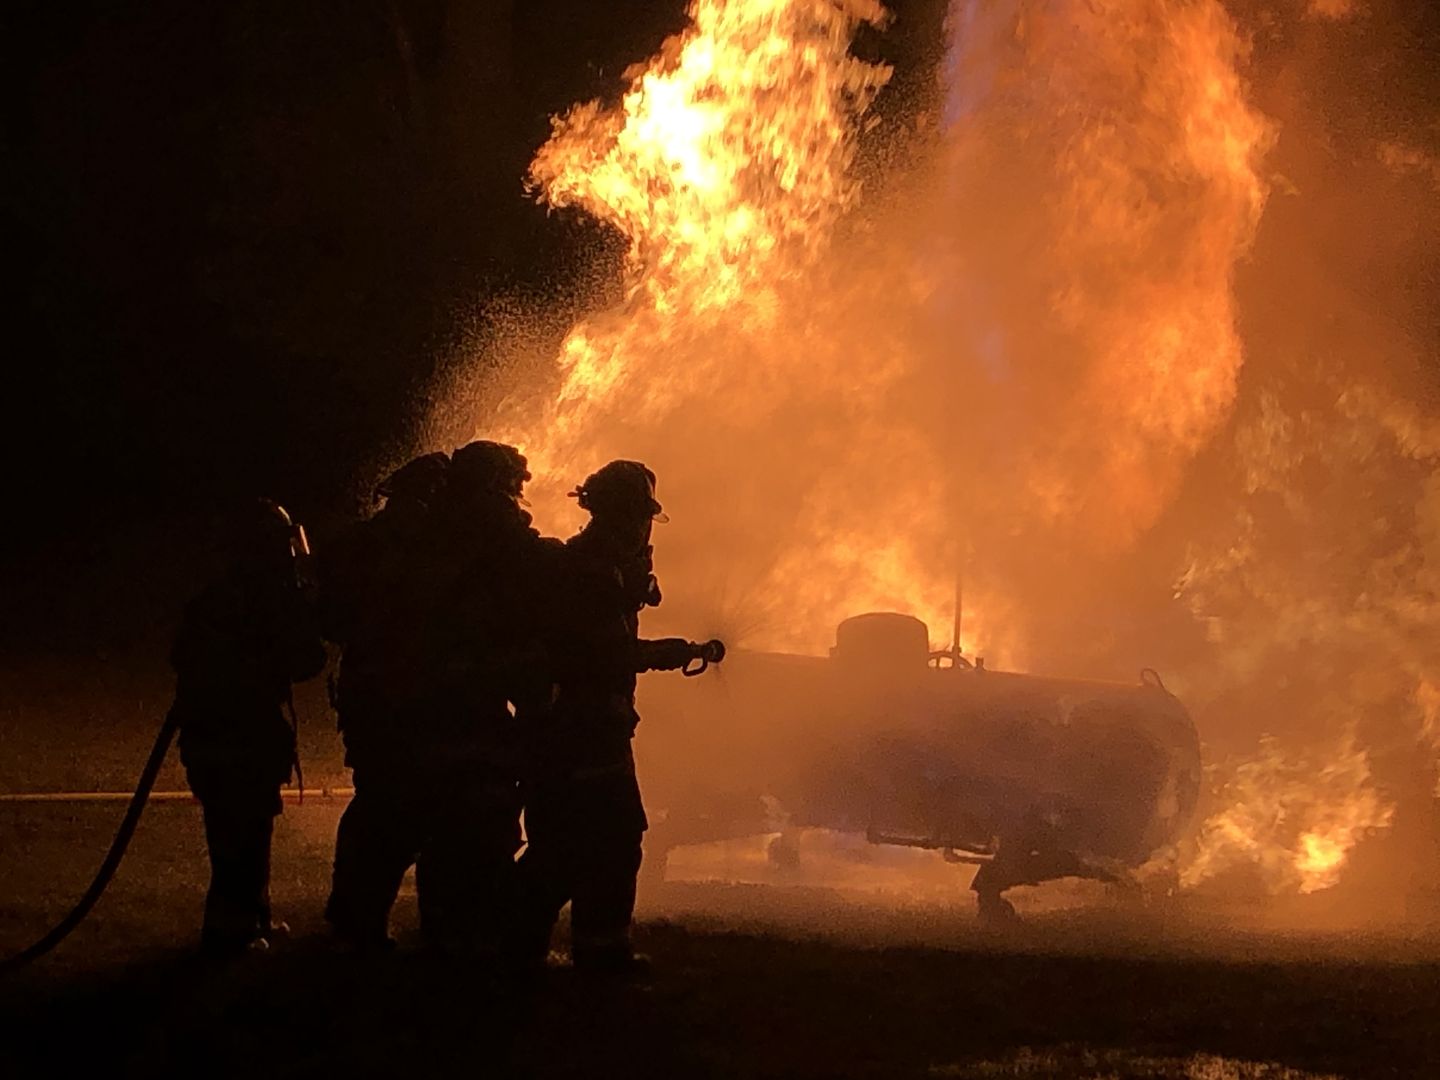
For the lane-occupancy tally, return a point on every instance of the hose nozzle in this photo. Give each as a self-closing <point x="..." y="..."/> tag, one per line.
<point x="706" y="653"/>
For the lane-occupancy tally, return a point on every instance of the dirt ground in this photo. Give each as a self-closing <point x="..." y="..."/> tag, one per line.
<point x="751" y="980"/>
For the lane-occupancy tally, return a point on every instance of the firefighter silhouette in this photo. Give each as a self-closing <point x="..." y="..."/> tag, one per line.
<point x="242" y="643"/>
<point x="423" y="599"/>
<point x="584" y="817"/>
<point x="378" y="581"/>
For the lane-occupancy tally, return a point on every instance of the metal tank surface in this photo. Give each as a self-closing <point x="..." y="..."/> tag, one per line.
<point x="1036" y="777"/>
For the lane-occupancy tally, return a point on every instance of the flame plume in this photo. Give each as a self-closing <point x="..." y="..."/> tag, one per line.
<point x="1019" y="353"/>
<point x="726" y="165"/>
<point x="1327" y="570"/>
<point x="1115" y="142"/>
<point x="822" y="358"/>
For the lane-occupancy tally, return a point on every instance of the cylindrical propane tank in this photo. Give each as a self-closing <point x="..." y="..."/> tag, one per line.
<point x="877" y="739"/>
<point x="963" y="757"/>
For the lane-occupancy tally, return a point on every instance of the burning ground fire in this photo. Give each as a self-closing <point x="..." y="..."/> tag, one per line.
<point x="1293" y="820"/>
<point x="1016" y="353"/>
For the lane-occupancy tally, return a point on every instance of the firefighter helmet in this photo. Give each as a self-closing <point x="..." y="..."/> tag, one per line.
<point x="621" y="487"/>
<point x="264" y="532"/>
<point x="489" y="466"/>
<point x="418" y="480"/>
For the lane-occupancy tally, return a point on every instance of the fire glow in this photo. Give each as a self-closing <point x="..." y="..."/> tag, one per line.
<point x="1006" y="355"/>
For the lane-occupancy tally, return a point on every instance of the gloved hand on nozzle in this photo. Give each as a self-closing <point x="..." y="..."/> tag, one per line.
<point x="712" y="651"/>
<point x="670" y="654"/>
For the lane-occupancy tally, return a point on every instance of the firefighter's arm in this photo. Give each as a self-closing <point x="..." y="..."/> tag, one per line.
<point x="343" y="573"/>
<point x="670" y="654"/>
<point x="205" y="652"/>
<point x="335" y="602"/>
<point x="299" y="634"/>
<point x="307" y="657"/>
<point x="484" y="668"/>
<point x="199" y="648"/>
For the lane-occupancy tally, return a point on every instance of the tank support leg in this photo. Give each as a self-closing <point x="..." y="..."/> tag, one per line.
<point x="1018" y="864"/>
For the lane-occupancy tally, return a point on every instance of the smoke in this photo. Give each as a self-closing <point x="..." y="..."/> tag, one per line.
<point x="1071" y="350"/>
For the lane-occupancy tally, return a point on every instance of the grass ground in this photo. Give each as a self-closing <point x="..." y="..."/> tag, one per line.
<point x="751" y="981"/>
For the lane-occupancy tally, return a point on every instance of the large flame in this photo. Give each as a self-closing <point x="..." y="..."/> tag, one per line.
<point x="728" y="165"/>
<point x="1293" y="821"/>
<point x="1125" y="128"/>
<point x="1005" y="360"/>
<point x="1321" y="583"/>
<point x="817" y="391"/>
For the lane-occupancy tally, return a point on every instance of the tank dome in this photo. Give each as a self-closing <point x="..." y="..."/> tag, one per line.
<point x="882" y="639"/>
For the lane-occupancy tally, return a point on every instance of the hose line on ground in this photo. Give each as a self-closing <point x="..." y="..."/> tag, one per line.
<point x="107" y="869"/>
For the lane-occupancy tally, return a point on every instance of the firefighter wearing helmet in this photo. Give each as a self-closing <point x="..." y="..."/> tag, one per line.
<point x="242" y="643"/>
<point x="379" y="581"/>
<point x="429" y="737"/>
<point x="488" y="652"/>
<point x="584" y="816"/>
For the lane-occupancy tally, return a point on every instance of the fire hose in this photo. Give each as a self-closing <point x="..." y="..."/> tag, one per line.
<point x="77" y="914"/>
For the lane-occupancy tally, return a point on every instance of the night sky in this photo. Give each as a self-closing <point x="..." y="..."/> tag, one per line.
<point x="244" y="234"/>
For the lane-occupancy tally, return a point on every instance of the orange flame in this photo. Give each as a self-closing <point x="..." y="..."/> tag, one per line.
<point x="727" y="165"/>
<point x="1126" y="127"/>
<point x="1008" y="355"/>
<point x="1320" y="579"/>
<point x="768" y="325"/>
<point x="1292" y="820"/>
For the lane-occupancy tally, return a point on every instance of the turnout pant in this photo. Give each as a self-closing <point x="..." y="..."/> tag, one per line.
<point x="584" y="838"/>
<point x="1034" y="853"/>
<point x="374" y="846"/>
<point x="239" y="822"/>
<point x="460" y="831"/>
